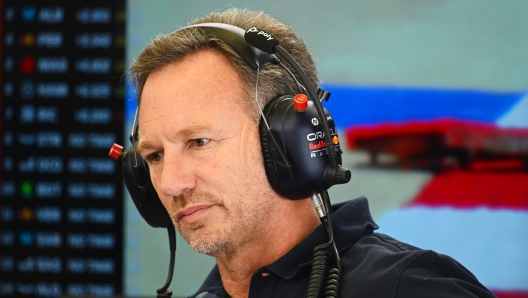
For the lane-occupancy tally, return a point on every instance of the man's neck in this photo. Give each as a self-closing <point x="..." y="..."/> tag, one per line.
<point x="289" y="225"/>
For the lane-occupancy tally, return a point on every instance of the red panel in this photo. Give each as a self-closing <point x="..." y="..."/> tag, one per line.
<point x="465" y="189"/>
<point x="457" y="133"/>
<point x="504" y="294"/>
<point x="516" y="193"/>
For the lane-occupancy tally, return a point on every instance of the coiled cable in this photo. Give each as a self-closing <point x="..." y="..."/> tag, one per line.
<point x="319" y="271"/>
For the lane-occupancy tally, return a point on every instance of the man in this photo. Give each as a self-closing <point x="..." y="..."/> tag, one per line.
<point x="199" y="134"/>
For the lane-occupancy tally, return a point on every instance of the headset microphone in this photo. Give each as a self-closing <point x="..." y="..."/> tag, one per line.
<point x="137" y="181"/>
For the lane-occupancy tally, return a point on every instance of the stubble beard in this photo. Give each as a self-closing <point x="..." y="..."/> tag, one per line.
<point x="194" y="234"/>
<point x="241" y="220"/>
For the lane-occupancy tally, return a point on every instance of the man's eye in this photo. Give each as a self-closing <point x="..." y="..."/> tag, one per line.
<point x="154" y="157"/>
<point x="200" y="142"/>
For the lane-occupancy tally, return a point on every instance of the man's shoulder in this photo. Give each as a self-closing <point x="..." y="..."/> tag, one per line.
<point x="377" y="253"/>
<point x="378" y="265"/>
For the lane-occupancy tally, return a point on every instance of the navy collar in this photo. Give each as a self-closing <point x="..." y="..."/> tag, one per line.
<point x="351" y="220"/>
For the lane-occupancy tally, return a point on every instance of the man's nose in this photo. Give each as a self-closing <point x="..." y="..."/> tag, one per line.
<point x="177" y="175"/>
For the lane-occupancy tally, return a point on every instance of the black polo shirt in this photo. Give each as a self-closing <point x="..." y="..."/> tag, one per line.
<point x="373" y="265"/>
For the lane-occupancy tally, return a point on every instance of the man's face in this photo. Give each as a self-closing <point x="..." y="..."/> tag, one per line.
<point x="204" y="154"/>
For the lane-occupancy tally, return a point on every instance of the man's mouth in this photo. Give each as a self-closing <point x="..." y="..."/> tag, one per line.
<point x="191" y="213"/>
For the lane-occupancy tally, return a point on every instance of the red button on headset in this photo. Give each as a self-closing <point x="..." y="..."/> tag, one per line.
<point x="300" y="102"/>
<point x="115" y="151"/>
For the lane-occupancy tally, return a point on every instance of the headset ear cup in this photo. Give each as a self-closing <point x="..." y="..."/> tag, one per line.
<point x="137" y="181"/>
<point x="267" y="154"/>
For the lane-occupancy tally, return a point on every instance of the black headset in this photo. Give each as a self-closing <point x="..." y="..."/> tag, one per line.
<point x="301" y="150"/>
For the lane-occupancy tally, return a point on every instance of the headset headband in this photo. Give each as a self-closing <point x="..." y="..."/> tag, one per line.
<point x="233" y="36"/>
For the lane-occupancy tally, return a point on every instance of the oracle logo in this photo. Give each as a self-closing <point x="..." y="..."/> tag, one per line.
<point x="319" y="135"/>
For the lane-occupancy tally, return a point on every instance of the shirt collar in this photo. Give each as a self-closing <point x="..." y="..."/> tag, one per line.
<point x="212" y="284"/>
<point x="350" y="220"/>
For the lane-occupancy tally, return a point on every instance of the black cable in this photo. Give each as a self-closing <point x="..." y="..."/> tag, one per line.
<point x="334" y="275"/>
<point x="312" y="95"/>
<point x="301" y="87"/>
<point x="162" y="292"/>
<point x="320" y="276"/>
<point x="319" y="269"/>
<point x="326" y="203"/>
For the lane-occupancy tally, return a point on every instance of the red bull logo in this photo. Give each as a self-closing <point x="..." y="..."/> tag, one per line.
<point x="319" y="145"/>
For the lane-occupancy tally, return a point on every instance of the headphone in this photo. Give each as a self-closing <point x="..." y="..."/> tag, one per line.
<point x="299" y="140"/>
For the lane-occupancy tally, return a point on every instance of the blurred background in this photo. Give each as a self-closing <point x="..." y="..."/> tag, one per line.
<point x="430" y="99"/>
